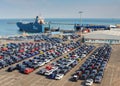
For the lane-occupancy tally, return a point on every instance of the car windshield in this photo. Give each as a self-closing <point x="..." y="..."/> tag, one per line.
<point x="58" y="75"/>
<point x="89" y="80"/>
<point x="97" y="78"/>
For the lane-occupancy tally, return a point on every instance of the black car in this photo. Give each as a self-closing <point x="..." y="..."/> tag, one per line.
<point x="87" y="72"/>
<point x="10" y="69"/>
<point x="64" y="71"/>
<point x="100" y="73"/>
<point x="42" y="71"/>
<point x="82" y="69"/>
<point x="102" y="69"/>
<point x="75" y="77"/>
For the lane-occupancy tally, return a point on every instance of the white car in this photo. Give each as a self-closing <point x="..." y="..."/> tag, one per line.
<point x="41" y="63"/>
<point x="83" y="55"/>
<point x="47" y="60"/>
<point x="64" y="52"/>
<point x="89" y="82"/>
<point x="68" y="50"/>
<point x="48" y="72"/>
<point x="59" y="76"/>
<point x="54" y="68"/>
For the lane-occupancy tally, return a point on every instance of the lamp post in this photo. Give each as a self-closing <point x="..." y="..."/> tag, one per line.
<point x="80" y="12"/>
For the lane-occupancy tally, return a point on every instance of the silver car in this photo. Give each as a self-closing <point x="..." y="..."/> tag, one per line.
<point x="89" y="82"/>
<point x="98" y="79"/>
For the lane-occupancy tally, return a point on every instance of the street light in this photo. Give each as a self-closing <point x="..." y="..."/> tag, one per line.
<point x="80" y="12"/>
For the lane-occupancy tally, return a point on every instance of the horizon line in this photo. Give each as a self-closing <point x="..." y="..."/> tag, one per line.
<point x="63" y="18"/>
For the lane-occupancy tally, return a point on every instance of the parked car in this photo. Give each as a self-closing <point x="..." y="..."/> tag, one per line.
<point x="79" y="73"/>
<point x="59" y="76"/>
<point x="87" y="72"/>
<point x="28" y="70"/>
<point x="10" y="69"/>
<point x="42" y="71"/>
<point x="92" y="75"/>
<point x="98" y="79"/>
<point x="89" y="82"/>
<point x="64" y="71"/>
<point x="52" y="76"/>
<point x="102" y="69"/>
<point x="100" y="73"/>
<point x="3" y="64"/>
<point x="48" y="72"/>
<point x="94" y="71"/>
<point x="75" y="78"/>
<point x="84" y="76"/>
<point x="41" y="63"/>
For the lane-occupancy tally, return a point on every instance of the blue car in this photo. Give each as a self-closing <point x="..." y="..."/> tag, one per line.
<point x="52" y="76"/>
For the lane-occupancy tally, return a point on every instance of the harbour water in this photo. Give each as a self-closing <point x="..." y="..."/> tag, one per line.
<point x="8" y="26"/>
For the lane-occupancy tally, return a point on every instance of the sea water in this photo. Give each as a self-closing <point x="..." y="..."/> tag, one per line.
<point x="9" y="27"/>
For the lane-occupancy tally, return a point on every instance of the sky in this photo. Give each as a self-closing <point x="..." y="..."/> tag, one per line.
<point x="60" y="8"/>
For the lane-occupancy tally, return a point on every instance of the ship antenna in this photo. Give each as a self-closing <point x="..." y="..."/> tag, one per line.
<point x="40" y="15"/>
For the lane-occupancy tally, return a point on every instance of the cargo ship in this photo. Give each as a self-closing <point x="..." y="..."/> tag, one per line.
<point x="33" y="27"/>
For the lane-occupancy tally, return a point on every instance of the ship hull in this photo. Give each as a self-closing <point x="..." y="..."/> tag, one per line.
<point x="30" y="27"/>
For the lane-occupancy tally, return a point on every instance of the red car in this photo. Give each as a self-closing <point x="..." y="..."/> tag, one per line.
<point x="28" y="70"/>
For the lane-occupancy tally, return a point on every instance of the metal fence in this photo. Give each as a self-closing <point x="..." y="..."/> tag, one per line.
<point x="108" y="41"/>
